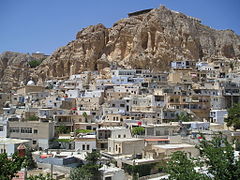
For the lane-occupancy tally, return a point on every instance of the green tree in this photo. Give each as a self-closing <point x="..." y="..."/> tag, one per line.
<point x="180" y="167"/>
<point x="32" y="118"/>
<point x="138" y="130"/>
<point x="34" y="63"/>
<point x="9" y="166"/>
<point x="84" y="114"/>
<point x="83" y="131"/>
<point x="218" y="156"/>
<point x="80" y="174"/>
<point x="29" y="162"/>
<point x="40" y="177"/>
<point x="62" y="129"/>
<point x="233" y="118"/>
<point x="184" y="117"/>
<point x="90" y="170"/>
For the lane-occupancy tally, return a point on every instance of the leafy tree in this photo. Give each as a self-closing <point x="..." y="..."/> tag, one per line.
<point x="80" y="174"/>
<point x="181" y="167"/>
<point x="34" y="63"/>
<point x="218" y="156"/>
<point x="62" y="130"/>
<point x="32" y="118"/>
<point x="84" y="114"/>
<point x="89" y="171"/>
<point x="83" y="131"/>
<point x="9" y="166"/>
<point x="138" y="130"/>
<point x="29" y="162"/>
<point x="40" y="177"/>
<point x="233" y="118"/>
<point x="184" y="117"/>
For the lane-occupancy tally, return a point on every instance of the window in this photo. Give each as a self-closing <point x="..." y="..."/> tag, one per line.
<point x="14" y="129"/>
<point x="35" y="131"/>
<point x="83" y="147"/>
<point x="119" y="136"/>
<point x="88" y="147"/>
<point x="34" y="142"/>
<point x="26" y="130"/>
<point x="1" y="128"/>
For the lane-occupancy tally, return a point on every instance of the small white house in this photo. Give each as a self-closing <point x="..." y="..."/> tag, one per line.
<point x="9" y="146"/>
<point x="217" y="116"/>
<point x="85" y="143"/>
<point x="112" y="173"/>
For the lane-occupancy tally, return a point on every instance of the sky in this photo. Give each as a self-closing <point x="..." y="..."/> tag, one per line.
<point x="29" y="26"/>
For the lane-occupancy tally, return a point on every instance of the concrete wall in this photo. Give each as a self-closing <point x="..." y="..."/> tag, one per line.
<point x="79" y="145"/>
<point x="132" y="147"/>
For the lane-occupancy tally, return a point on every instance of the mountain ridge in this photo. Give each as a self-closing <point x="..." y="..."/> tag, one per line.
<point x="147" y="40"/>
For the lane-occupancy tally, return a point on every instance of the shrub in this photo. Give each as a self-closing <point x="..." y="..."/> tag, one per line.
<point x="34" y="63"/>
<point x="83" y="131"/>
<point x="32" y="118"/>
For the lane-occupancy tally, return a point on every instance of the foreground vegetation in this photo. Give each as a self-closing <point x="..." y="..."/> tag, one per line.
<point x="217" y="161"/>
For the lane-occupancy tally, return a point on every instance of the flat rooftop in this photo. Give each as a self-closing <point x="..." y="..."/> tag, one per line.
<point x="174" y="146"/>
<point x="125" y="139"/>
<point x="12" y="141"/>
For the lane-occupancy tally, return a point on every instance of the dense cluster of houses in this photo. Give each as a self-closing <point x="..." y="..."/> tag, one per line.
<point x="91" y="111"/>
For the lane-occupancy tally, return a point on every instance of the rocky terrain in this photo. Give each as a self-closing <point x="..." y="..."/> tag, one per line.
<point x="14" y="69"/>
<point x="147" y="40"/>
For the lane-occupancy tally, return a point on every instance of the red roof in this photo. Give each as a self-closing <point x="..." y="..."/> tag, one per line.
<point x="43" y="156"/>
<point x="156" y="139"/>
<point x="21" y="146"/>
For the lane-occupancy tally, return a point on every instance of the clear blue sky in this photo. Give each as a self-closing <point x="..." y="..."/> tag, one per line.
<point x="45" y="25"/>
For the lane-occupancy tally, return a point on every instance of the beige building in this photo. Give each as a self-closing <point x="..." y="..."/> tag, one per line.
<point x="180" y="76"/>
<point x="165" y="150"/>
<point x="4" y="97"/>
<point x="39" y="133"/>
<point x="30" y="88"/>
<point x="125" y="146"/>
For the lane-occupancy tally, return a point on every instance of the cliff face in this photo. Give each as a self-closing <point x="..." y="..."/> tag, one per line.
<point x="14" y="69"/>
<point x="149" y="40"/>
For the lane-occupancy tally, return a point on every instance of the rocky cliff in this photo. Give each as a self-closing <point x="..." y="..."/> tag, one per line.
<point x="14" y="69"/>
<point x="148" y="40"/>
<point x="144" y="40"/>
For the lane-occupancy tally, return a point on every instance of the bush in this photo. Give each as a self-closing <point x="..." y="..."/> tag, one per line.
<point x="62" y="130"/>
<point x="34" y="63"/>
<point x="138" y="131"/>
<point x="32" y="118"/>
<point x="64" y="140"/>
<point x="83" y="131"/>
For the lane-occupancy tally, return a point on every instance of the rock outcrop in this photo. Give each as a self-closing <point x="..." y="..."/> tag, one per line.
<point x="148" y="40"/>
<point x="14" y="69"/>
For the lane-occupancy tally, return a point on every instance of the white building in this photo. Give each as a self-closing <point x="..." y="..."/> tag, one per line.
<point x="9" y="146"/>
<point x="85" y="143"/>
<point x="112" y="173"/>
<point x="3" y="127"/>
<point x="217" y="116"/>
